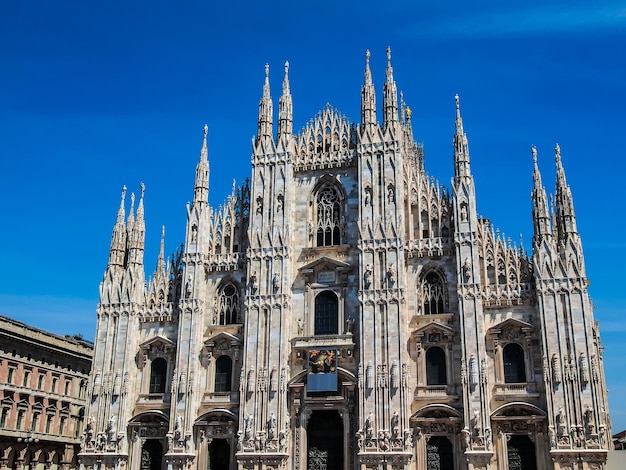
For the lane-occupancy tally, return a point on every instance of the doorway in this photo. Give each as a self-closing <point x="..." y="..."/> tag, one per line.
<point x="219" y="455"/>
<point x="151" y="455"/>
<point x="521" y="453"/>
<point x="325" y="441"/>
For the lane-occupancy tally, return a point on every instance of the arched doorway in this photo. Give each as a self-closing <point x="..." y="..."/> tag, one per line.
<point x="439" y="454"/>
<point x="219" y="455"/>
<point x="521" y="453"/>
<point x="151" y="455"/>
<point x="325" y="441"/>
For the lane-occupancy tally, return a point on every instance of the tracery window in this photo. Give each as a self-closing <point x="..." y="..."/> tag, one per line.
<point x="436" y="366"/>
<point x="514" y="364"/>
<point x="223" y="374"/>
<point x="328" y="217"/>
<point x="229" y="305"/>
<point x="158" y="374"/>
<point x="433" y="294"/>
<point x="326" y="313"/>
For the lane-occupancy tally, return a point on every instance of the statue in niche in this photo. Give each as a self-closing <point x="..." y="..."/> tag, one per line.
<point x="300" y="327"/>
<point x="254" y="283"/>
<point x="391" y="194"/>
<point x="188" y="285"/>
<point x="259" y="205"/>
<point x="276" y="282"/>
<point x="467" y="270"/>
<point x="367" y="199"/>
<point x="367" y="276"/>
<point x="395" y="425"/>
<point x="391" y="276"/>
<point x="279" y="203"/>
<point x="271" y="427"/>
<point x="350" y="324"/>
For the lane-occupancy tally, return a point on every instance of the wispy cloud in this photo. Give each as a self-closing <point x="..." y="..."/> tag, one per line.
<point x="59" y="315"/>
<point x="527" y="20"/>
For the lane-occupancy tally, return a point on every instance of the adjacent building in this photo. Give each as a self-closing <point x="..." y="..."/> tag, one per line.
<point x="343" y="310"/>
<point x="43" y="396"/>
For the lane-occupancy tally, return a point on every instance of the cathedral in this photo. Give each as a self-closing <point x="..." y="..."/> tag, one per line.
<point x="344" y="311"/>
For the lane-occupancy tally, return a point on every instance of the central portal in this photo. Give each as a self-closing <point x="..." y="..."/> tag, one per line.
<point x="325" y="441"/>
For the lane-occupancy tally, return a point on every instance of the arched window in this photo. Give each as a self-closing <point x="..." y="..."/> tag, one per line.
<point x="158" y="374"/>
<point x="326" y="314"/>
<point x="436" y="366"/>
<point x="229" y="305"/>
<point x="328" y="217"/>
<point x="514" y="365"/>
<point x="433" y="294"/>
<point x="223" y="374"/>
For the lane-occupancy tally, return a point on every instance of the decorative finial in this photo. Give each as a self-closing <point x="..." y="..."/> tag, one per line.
<point x="388" y="54"/>
<point x="286" y="67"/>
<point x="557" y="150"/>
<point x="162" y="232"/>
<point x="367" y="56"/>
<point x="123" y="192"/>
<point x="206" y="131"/>
<point x="457" y="101"/>
<point x="143" y="189"/>
<point x="408" y="113"/>
<point x="267" y="70"/>
<point x="534" y="151"/>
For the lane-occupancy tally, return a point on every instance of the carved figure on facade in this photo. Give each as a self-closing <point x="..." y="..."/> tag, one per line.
<point x="271" y="427"/>
<point x="367" y="276"/>
<point x="350" y="324"/>
<point x="408" y="440"/>
<point x="254" y="283"/>
<point x="391" y="276"/>
<point x="369" y="429"/>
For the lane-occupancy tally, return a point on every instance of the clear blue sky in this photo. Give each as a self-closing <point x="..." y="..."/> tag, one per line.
<point x="98" y="94"/>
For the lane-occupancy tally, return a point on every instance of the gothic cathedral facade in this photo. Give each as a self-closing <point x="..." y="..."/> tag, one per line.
<point x="342" y="310"/>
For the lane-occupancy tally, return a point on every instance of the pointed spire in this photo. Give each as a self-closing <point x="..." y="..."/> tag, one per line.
<point x="201" y="184"/>
<point x="117" y="250"/>
<point x="266" y="109"/>
<point x="285" y="107"/>
<point x="390" y="96"/>
<point x="160" y="267"/>
<point x="564" y="203"/>
<point x="137" y="231"/>
<point x="541" y="213"/>
<point x="131" y="215"/>
<point x="368" y="96"/>
<point x="461" y="150"/>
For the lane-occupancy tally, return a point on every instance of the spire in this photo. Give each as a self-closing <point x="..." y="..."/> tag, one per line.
<point x="368" y="96"/>
<point x="461" y="150"/>
<point x="541" y="213"/>
<point x="285" y="107"/>
<point x="137" y="230"/>
<point x="201" y="185"/>
<point x="265" y="109"/>
<point x="565" y="217"/>
<point x="160" y="267"/>
<point x="390" y="96"/>
<point x="118" y="238"/>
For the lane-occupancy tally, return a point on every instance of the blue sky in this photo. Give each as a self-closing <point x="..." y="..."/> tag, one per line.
<point x="98" y="94"/>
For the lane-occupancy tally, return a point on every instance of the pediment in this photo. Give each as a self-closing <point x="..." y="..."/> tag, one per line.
<point x="510" y="324"/>
<point x="433" y="332"/>
<point x="325" y="263"/>
<point x="223" y="337"/>
<point x="325" y="271"/>
<point x="158" y="341"/>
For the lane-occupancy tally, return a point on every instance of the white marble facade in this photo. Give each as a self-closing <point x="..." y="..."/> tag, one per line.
<point x="440" y="344"/>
